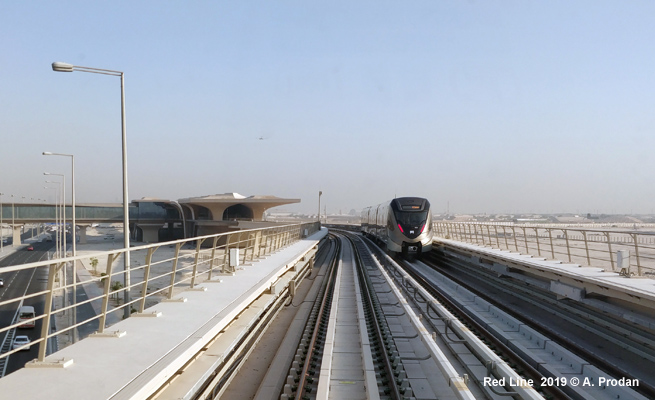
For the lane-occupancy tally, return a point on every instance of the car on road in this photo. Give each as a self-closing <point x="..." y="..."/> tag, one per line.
<point x="2" y="282"/>
<point x="30" y="248"/>
<point x="21" y="340"/>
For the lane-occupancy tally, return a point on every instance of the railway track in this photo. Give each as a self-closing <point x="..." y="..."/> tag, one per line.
<point x="340" y="349"/>
<point x="366" y="342"/>
<point x="561" y="373"/>
<point x="616" y="346"/>
<point x="378" y="328"/>
<point x="209" y="373"/>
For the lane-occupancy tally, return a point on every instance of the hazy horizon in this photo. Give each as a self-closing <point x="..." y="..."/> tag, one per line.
<point x="481" y="107"/>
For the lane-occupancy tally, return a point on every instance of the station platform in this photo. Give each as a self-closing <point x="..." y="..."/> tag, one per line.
<point x="137" y="355"/>
<point x="572" y="281"/>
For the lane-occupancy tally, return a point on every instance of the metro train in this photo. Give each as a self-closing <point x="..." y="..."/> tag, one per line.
<point x="403" y="225"/>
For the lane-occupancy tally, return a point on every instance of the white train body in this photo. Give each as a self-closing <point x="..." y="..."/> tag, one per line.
<point x="403" y="225"/>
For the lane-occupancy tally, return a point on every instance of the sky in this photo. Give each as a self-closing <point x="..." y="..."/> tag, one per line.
<point x="501" y="106"/>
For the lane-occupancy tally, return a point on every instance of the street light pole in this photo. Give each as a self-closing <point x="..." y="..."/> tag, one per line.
<point x="2" y="230"/>
<point x="319" y="206"/>
<point x="13" y="222"/>
<point x="63" y="210"/>
<point x="60" y="238"/>
<point x="55" y="254"/>
<point x="65" y="67"/>
<point x="74" y="231"/>
<point x="47" y="153"/>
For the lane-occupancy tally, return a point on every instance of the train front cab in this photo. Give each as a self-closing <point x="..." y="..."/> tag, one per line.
<point x="412" y="228"/>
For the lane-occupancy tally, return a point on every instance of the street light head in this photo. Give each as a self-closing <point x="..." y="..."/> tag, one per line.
<point x="47" y="153"/>
<point x="62" y="67"/>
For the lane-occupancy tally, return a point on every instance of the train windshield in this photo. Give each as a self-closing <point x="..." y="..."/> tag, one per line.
<point x="411" y="219"/>
<point x="412" y="215"/>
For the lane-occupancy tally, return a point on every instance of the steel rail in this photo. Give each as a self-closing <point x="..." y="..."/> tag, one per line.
<point x="469" y="322"/>
<point x="500" y="347"/>
<point x="457" y="383"/>
<point x="222" y="373"/>
<point x="327" y="289"/>
<point x="368" y="301"/>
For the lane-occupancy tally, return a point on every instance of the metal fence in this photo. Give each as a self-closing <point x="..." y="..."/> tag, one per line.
<point x="157" y="272"/>
<point x="628" y="252"/>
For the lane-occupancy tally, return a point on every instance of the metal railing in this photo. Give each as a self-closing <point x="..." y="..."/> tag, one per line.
<point x="628" y="252"/>
<point x="157" y="272"/>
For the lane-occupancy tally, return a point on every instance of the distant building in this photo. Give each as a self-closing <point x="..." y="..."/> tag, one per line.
<point x="227" y="212"/>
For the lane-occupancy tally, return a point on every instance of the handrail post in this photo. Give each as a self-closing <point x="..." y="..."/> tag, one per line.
<point x="195" y="263"/>
<point x="568" y="248"/>
<point x="525" y="239"/>
<point x="226" y="253"/>
<point x="273" y="240"/>
<point x="257" y="244"/>
<point x="634" y="240"/>
<point x="252" y="237"/>
<point x="45" y="324"/>
<point x="609" y="249"/>
<point x="489" y="235"/>
<point x="174" y="270"/>
<point x="586" y="246"/>
<point x="211" y="262"/>
<point x="505" y="236"/>
<point x="287" y="237"/>
<point x="105" y="298"/>
<point x="497" y="240"/>
<point x="536" y="232"/>
<point x="146" y="278"/>
<point x="263" y="243"/>
<point x="239" y="243"/>
<point x="550" y="236"/>
<point x="475" y="229"/>
<point x="516" y="245"/>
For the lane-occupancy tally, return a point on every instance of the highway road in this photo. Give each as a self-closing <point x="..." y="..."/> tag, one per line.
<point x="16" y="284"/>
